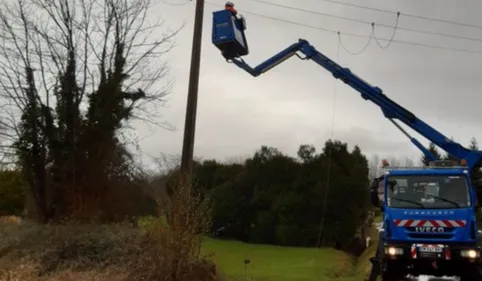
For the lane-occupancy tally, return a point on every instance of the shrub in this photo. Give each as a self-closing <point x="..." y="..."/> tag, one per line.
<point x="12" y="192"/>
<point x="166" y="247"/>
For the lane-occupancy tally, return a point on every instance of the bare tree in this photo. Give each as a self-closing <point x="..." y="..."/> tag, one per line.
<point x="374" y="166"/>
<point x="409" y="162"/>
<point x="73" y="73"/>
<point x="7" y="136"/>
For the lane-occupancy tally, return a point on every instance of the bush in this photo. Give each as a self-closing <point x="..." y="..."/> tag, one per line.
<point x="166" y="247"/>
<point x="179" y="229"/>
<point x="12" y="192"/>
<point x="377" y="212"/>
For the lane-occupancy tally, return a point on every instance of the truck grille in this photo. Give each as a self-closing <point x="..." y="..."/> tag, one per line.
<point x="431" y="235"/>
<point x="447" y="234"/>
<point x="429" y="255"/>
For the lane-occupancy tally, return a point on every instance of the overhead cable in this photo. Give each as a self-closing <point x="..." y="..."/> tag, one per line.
<point x="397" y="14"/>
<point x="357" y="35"/>
<point x="404" y="14"/>
<point x="176" y="4"/>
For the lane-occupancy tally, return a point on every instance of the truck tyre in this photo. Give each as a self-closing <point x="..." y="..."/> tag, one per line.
<point x="472" y="275"/>
<point x="393" y="272"/>
<point x="392" y="277"/>
<point x="376" y="262"/>
<point x="375" y="272"/>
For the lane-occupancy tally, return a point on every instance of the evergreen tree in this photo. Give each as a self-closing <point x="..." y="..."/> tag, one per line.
<point x="473" y="144"/>
<point x="274" y="198"/>
<point x="432" y="149"/>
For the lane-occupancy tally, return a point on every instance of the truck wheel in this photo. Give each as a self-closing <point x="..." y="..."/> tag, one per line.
<point x="472" y="275"/>
<point x="469" y="278"/>
<point x="392" y="276"/>
<point x="393" y="272"/>
<point x="374" y="273"/>
<point x="375" y="261"/>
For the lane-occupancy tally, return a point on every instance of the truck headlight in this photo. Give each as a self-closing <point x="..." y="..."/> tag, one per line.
<point x="471" y="254"/>
<point x="393" y="251"/>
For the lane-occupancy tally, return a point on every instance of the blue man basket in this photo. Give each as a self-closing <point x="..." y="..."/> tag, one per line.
<point x="228" y="34"/>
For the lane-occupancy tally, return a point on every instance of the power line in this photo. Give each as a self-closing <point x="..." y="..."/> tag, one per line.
<point x="405" y="14"/>
<point x="357" y="35"/>
<point x="369" y="22"/>
<point x="176" y="4"/>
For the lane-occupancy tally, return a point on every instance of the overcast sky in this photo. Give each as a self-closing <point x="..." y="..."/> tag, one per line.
<point x="294" y="102"/>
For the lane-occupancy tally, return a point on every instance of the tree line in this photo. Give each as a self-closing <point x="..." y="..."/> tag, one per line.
<point x="316" y="198"/>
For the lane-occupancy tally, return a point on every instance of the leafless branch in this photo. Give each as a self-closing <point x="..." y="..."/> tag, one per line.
<point x="40" y="34"/>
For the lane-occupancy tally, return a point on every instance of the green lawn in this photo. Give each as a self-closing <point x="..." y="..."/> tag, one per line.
<point x="288" y="263"/>
<point x="285" y="263"/>
<point x="278" y="263"/>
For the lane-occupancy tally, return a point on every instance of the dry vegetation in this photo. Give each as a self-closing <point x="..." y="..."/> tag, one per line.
<point x="167" y="249"/>
<point x="75" y="74"/>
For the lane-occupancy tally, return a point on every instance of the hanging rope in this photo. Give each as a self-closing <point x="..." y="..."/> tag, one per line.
<point x="330" y="151"/>
<point x="328" y="170"/>
<point x="372" y="34"/>
<point x="370" y="38"/>
<point x="391" y="38"/>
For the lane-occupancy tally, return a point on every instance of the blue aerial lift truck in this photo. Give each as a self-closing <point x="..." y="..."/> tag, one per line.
<point x="429" y="213"/>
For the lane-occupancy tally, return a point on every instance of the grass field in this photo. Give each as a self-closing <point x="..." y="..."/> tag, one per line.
<point x="278" y="263"/>
<point x="274" y="263"/>
<point x="116" y="245"/>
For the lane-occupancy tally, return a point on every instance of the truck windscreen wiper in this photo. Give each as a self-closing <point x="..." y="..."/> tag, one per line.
<point x="445" y="200"/>
<point x="409" y="201"/>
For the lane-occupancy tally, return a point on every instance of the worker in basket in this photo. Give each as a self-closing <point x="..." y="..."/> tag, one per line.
<point x="230" y="7"/>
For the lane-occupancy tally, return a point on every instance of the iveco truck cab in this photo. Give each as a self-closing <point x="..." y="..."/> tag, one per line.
<point x="429" y="223"/>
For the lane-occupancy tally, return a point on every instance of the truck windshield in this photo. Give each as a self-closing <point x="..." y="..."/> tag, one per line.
<point x="428" y="192"/>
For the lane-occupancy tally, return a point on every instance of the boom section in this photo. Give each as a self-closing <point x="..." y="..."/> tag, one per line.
<point x="390" y="108"/>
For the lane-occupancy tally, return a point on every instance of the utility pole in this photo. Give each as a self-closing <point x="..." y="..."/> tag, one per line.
<point x="192" y="95"/>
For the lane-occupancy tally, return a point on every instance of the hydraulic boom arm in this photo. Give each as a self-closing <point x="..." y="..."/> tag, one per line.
<point x="390" y="109"/>
<point x="229" y="37"/>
